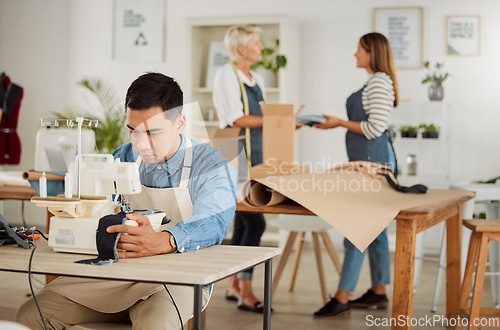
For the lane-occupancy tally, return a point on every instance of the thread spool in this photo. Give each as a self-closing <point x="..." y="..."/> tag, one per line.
<point x="68" y="186"/>
<point x="42" y="183"/>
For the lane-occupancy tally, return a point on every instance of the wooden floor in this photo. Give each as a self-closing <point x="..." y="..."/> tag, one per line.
<point x="292" y="310"/>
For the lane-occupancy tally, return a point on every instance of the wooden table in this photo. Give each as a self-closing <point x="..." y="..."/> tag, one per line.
<point x="17" y="192"/>
<point x="408" y="223"/>
<point x="196" y="268"/>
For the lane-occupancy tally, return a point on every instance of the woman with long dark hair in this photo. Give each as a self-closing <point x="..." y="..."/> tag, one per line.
<point x="367" y="139"/>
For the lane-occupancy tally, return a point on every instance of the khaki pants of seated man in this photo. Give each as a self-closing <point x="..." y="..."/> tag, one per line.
<point x="157" y="312"/>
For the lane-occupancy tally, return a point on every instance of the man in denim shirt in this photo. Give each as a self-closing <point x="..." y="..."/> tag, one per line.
<point x="191" y="182"/>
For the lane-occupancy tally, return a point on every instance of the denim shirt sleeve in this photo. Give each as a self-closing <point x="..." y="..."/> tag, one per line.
<point x="212" y="190"/>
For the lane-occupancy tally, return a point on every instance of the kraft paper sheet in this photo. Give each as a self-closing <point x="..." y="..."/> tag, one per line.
<point x="356" y="204"/>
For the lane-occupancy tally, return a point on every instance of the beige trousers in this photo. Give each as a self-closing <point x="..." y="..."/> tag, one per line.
<point x="155" y="313"/>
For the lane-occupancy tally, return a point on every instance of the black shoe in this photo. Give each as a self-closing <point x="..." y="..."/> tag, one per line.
<point x="230" y="296"/>
<point x="257" y="308"/>
<point x="370" y="299"/>
<point x="333" y="308"/>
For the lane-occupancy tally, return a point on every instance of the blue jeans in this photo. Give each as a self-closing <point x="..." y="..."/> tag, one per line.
<point x="378" y="253"/>
<point x="248" y="229"/>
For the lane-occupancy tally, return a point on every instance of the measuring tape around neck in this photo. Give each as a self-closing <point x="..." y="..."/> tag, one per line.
<point x="246" y="109"/>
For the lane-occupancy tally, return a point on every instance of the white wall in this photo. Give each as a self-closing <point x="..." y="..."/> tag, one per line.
<point x="46" y="46"/>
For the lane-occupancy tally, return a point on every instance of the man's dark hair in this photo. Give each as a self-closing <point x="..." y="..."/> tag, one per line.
<point x="155" y="89"/>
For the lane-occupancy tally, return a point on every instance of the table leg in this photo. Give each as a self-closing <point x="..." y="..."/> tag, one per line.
<point x="453" y="267"/>
<point x="268" y="266"/>
<point x="492" y="212"/>
<point x="404" y="272"/>
<point x="197" y="307"/>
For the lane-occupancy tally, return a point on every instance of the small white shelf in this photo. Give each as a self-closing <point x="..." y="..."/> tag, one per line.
<point x="432" y="153"/>
<point x="273" y="90"/>
<point x="203" y="90"/>
<point x="206" y="123"/>
<point x="419" y="139"/>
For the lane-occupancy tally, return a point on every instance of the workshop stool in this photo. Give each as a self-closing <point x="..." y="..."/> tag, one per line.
<point x="483" y="231"/>
<point x="298" y="226"/>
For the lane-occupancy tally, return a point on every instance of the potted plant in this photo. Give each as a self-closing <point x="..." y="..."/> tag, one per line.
<point x="435" y="77"/>
<point x="408" y="131"/>
<point x="110" y="132"/>
<point x="269" y="65"/>
<point x="430" y="131"/>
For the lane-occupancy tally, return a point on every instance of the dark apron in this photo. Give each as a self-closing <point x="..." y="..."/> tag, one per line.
<point x="254" y="97"/>
<point x="358" y="146"/>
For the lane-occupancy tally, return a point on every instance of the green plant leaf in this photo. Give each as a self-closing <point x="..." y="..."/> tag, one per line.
<point x="270" y="60"/>
<point x="110" y="132"/>
<point x="434" y="76"/>
<point x="280" y="61"/>
<point x="267" y="52"/>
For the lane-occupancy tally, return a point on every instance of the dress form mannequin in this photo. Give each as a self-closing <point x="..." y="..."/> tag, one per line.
<point x="10" y="103"/>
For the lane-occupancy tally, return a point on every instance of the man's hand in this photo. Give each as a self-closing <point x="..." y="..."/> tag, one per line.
<point x="141" y="241"/>
<point x="331" y="122"/>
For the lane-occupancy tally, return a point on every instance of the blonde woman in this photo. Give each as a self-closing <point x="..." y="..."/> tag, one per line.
<point x="237" y="92"/>
<point x="367" y="139"/>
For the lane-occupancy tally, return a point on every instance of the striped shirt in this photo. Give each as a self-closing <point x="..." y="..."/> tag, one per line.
<point x="378" y="102"/>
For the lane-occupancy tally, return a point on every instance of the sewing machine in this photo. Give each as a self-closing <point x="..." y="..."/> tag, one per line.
<point x="99" y="177"/>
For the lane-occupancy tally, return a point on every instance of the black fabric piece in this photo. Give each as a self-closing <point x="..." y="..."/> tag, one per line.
<point x="416" y="189"/>
<point x="106" y="242"/>
<point x="2" y="96"/>
<point x="390" y="134"/>
<point x="12" y="96"/>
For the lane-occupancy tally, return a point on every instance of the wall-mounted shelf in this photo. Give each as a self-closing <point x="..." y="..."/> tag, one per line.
<point x="202" y="30"/>
<point x="432" y="154"/>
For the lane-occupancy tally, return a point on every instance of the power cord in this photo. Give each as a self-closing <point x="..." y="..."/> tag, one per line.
<point x="175" y="305"/>
<point x="32" y="241"/>
<point x="22" y="213"/>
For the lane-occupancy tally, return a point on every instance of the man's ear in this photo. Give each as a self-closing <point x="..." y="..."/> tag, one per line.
<point x="180" y="124"/>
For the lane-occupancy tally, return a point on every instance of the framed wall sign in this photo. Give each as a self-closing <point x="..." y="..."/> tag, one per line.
<point x="403" y="27"/>
<point x="138" y="30"/>
<point x="217" y="57"/>
<point x="463" y="35"/>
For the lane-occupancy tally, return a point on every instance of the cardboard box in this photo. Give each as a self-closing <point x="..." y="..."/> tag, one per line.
<point x="278" y="133"/>
<point x="232" y="147"/>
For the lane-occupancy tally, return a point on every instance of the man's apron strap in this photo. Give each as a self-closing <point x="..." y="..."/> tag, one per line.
<point x="186" y="167"/>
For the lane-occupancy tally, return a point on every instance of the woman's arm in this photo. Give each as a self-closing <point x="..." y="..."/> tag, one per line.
<point x="248" y="121"/>
<point x="332" y="122"/>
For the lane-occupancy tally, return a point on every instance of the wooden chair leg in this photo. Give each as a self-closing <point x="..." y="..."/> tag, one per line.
<point x="284" y="257"/>
<point x="190" y="324"/>
<point x="475" y="306"/>
<point x="319" y="261"/>
<point x="469" y="271"/>
<point x="296" y="260"/>
<point x="330" y="248"/>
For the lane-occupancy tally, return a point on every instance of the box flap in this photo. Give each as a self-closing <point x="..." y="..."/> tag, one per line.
<point x="282" y="110"/>
<point x="228" y="133"/>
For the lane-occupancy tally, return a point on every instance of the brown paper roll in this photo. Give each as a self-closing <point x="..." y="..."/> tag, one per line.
<point x="260" y="195"/>
<point x="35" y="175"/>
